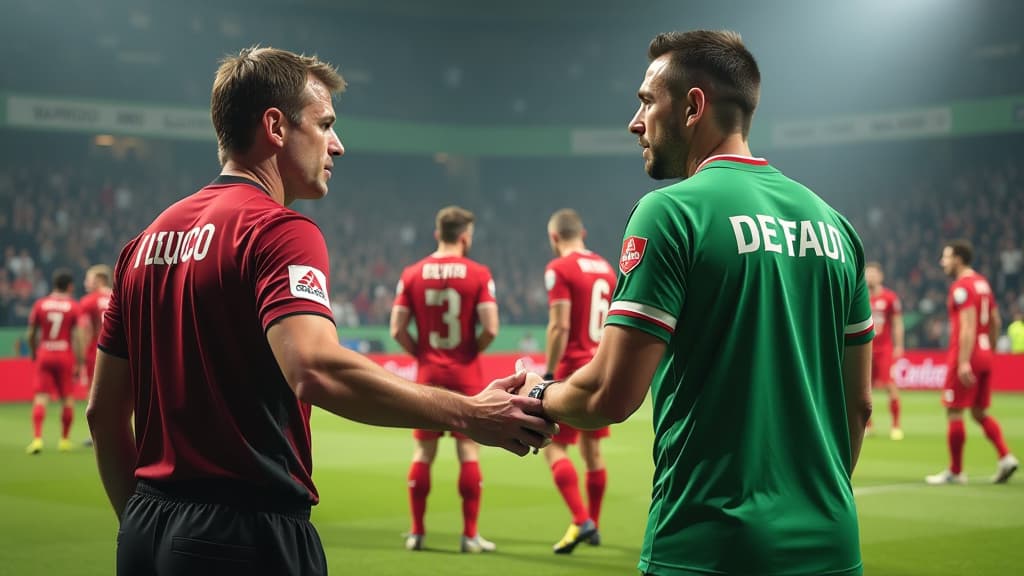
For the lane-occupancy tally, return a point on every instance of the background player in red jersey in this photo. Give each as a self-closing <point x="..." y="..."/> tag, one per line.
<point x="93" y="305"/>
<point x="579" y="284"/>
<point x="887" y="313"/>
<point x="974" y="327"/>
<point x="54" y="346"/>
<point x="448" y="295"/>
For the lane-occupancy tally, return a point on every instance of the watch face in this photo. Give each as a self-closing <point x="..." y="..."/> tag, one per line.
<point x="538" y="390"/>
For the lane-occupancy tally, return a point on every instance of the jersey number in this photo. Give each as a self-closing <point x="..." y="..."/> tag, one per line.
<point x="453" y="301"/>
<point x="599" y="302"/>
<point x="55" y="319"/>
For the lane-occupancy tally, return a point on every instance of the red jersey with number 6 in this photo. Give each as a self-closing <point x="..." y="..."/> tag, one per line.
<point x="443" y="294"/>
<point x="971" y="291"/>
<point x="586" y="281"/>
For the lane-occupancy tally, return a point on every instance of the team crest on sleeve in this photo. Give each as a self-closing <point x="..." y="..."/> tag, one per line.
<point x="399" y="288"/>
<point x="549" y="280"/>
<point x="309" y="283"/>
<point x="491" y="289"/>
<point x="960" y="295"/>
<point x="632" y="253"/>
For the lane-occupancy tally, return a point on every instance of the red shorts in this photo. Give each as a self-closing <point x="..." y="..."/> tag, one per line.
<point x="54" y="373"/>
<point x="881" y="367"/>
<point x="465" y="379"/>
<point x="956" y="395"/>
<point x="567" y="435"/>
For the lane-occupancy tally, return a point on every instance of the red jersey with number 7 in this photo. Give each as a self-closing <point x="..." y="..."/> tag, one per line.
<point x="586" y="281"/>
<point x="971" y="291"/>
<point x="55" y="315"/>
<point x="443" y="294"/>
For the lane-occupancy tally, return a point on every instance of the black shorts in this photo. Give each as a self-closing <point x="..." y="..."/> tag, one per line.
<point x="165" y="533"/>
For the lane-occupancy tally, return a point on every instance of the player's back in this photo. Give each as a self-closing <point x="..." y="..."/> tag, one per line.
<point x="443" y="293"/>
<point x="93" y="305"/>
<point x="884" y="307"/>
<point x="190" y="292"/>
<point x="972" y="291"/>
<point x="752" y="448"/>
<point x="586" y="281"/>
<point x="55" y="316"/>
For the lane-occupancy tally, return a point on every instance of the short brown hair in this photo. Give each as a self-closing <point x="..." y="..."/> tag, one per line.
<point x="452" y="221"/>
<point x="566" y="223"/>
<point x="717" y="62"/>
<point x="875" y="265"/>
<point x="257" y="79"/>
<point x="963" y="249"/>
<point x="62" y="280"/>
<point x="100" y="272"/>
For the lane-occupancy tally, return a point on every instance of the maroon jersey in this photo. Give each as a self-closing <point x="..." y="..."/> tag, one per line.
<point x="192" y="300"/>
<point x="93" y="306"/>
<point x="885" y="306"/>
<point x="972" y="291"/>
<point x="586" y="281"/>
<point x="443" y="294"/>
<point x="54" y="315"/>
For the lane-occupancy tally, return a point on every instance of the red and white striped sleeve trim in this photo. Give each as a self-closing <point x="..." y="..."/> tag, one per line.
<point x="659" y="318"/>
<point x="859" y="329"/>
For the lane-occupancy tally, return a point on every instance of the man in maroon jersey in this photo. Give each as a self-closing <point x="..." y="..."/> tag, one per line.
<point x="94" y="305"/>
<point x="448" y="295"/>
<point x="580" y="285"/>
<point x="219" y="339"/>
<point x="887" y="314"/>
<point x="974" y="327"/>
<point x="54" y="346"/>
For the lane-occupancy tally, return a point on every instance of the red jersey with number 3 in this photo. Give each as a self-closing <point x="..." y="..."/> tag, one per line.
<point x="885" y="306"/>
<point x="443" y="294"/>
<point x="586" y="281"/>
<point x="55" y="315"/>
<point x="971" y="291"/>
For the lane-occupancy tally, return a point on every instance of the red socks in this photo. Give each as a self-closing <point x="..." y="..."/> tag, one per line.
<point x="38" y="414"/>
<point x="894" y="409"/>
<point x="995" y="435"/>
<point x="470" y="489"/>
<point x="419" y="488"/>
<point x="568" y="484"/>
<point x="597" y="480"/>
<point x="66" y="417"/>
<point x="956" y="437"/>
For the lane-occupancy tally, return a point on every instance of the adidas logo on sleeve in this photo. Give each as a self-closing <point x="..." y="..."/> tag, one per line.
<point x="308" y="282"/>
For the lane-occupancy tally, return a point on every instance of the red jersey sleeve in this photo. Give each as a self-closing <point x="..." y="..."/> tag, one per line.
<point x="556" y="285"/>
<point x="33" y="316"/>
<point x="897" y="306"/>
<point x="963" y="296"/>
<point x="112" y="339"/>
<point x="289" y="268"/>
<point x="487" y="293"/>
<point x="402" y="297"/>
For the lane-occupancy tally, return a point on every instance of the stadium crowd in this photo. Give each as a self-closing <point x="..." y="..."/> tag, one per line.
<point x="376" y="221"/>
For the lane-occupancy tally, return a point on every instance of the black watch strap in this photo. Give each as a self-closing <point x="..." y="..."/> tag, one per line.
<point x="538" y="390"/>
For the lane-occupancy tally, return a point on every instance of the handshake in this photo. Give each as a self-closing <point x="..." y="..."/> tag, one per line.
<point x="503" y="414"/>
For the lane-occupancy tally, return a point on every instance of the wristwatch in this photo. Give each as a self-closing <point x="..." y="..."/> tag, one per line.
<point x="538" y="390"/>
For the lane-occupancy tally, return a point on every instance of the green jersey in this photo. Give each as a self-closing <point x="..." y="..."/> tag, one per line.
<point x="756" y="285"/>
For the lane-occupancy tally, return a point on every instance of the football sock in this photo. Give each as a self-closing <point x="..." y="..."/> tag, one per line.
<point x="956" y="437"/>
<point x="419" y="488"/>
<point x="569" y="485"/>
<point x="470" y="489"/>
<point x="597" y="480"/>
<point x="66" y="417"/>
<point x="894" y="408"/>
<point x="995" y="435"/>
<point x="38" y="414"/>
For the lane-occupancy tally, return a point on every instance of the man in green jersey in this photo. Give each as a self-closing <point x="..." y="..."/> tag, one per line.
<point x="741" y="304"/>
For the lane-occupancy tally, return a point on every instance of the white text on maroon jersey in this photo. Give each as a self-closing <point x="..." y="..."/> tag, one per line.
<point x="55" y="305"/>
<point x="169" y="247"/>
<point x="443" y="271"/>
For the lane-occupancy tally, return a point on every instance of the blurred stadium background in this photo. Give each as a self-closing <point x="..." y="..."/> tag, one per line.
<point x="908" y="116"/>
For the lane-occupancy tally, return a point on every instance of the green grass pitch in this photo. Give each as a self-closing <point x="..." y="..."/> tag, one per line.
<point x="54" y="518"/>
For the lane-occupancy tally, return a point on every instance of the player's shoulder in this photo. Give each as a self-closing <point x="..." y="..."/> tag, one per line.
<point x="477" y="269"/>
